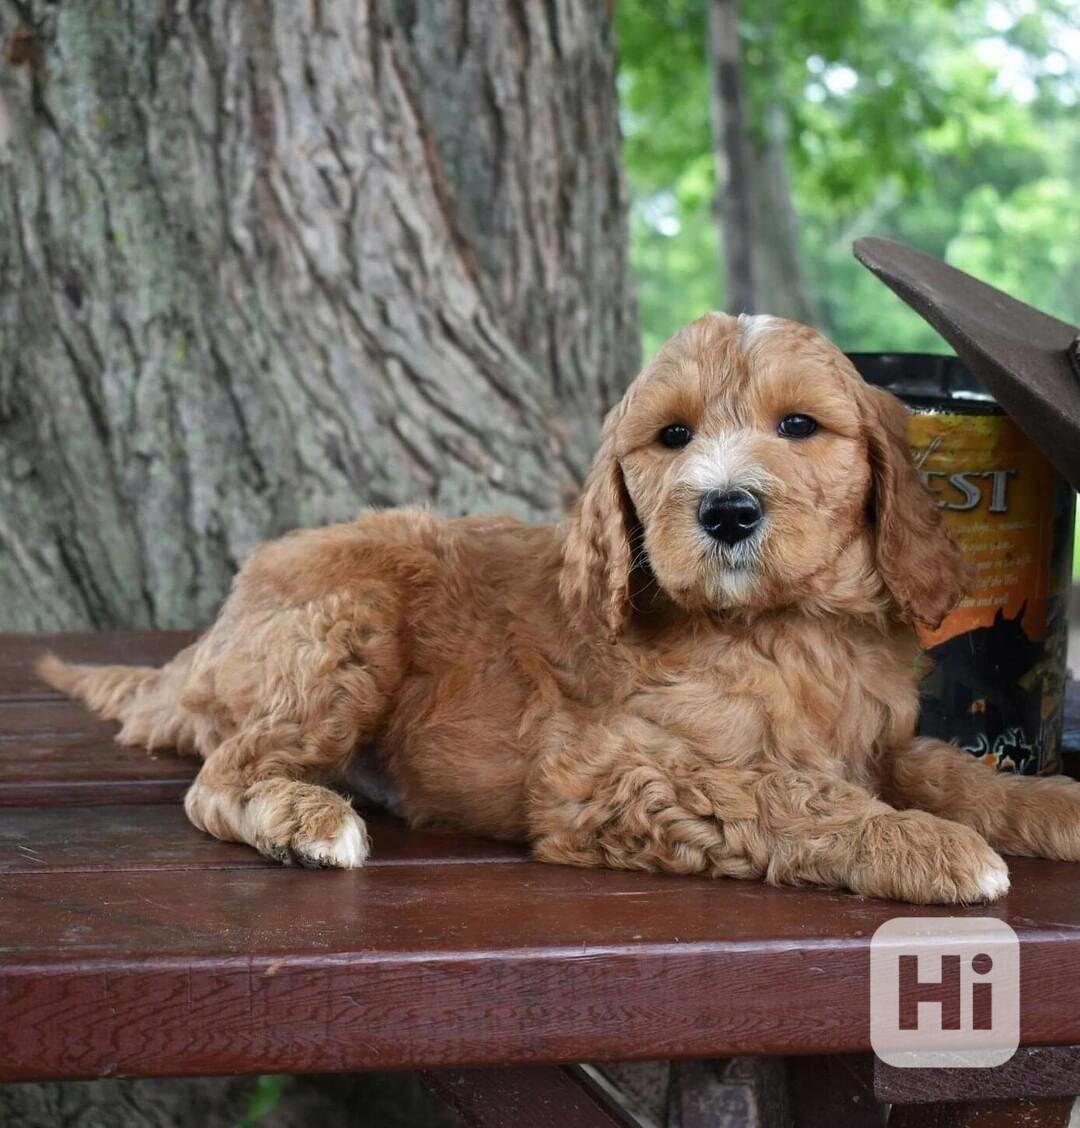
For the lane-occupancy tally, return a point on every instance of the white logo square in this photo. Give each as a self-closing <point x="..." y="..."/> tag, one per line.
<point x="944" y="992"/>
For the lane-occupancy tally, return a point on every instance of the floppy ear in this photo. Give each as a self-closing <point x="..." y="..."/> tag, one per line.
<point x="595" y="577"/>
<point x="915" y="555"/>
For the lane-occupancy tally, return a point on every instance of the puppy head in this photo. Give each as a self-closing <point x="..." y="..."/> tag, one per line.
<point x="750" y="467"/>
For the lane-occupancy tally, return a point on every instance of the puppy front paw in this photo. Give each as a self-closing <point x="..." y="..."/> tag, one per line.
<point x="303" y="824"/>
<point x="917" y="857"/>
<point x="993" y="881"/>
<point x="347" y="848"/>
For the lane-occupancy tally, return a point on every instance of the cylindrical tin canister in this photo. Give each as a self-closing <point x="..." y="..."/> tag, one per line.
<point x="996" y="685"/>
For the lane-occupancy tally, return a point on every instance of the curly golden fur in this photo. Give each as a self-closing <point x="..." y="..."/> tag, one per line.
<point x="622" y="689"/>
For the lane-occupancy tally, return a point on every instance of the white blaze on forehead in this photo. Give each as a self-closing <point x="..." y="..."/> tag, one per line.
<point x="725" y="463"/>
<point x="753" y="326"/>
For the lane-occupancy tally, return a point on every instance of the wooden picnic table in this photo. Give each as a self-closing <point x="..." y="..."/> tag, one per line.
<point x="133" y="945"/>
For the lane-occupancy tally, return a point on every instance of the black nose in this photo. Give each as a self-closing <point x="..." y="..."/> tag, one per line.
<point x="729" y="516"/>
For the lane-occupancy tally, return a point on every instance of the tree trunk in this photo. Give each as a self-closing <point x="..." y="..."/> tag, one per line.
<point x="778" y="274"/>
<point x="759" y="228"/>
<point x="731" y="149"/>
<point x="264" y="263"/>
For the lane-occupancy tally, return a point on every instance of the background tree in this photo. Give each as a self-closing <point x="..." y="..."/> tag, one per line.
<point x="734" y="198"/>
<point x="264" y="263"/>
<point x="952" y="125"/>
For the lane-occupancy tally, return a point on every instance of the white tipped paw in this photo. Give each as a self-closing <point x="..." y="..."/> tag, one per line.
<point x="993" y="882"/>
<point x="348" y="849"/>
<point x="302" y="824"/>
<point x="972" y="871"/>
<point x="915" y="856"/>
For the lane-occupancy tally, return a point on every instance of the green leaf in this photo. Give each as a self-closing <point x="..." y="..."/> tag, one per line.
<point x="264" y="1098"/>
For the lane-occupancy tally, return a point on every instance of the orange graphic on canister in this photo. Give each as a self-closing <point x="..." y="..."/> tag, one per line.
<point x="995" y="489"/>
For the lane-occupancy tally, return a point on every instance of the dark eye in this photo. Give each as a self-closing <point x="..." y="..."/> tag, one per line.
<point x="797" y="426"/>
<point x="675" y="435"/>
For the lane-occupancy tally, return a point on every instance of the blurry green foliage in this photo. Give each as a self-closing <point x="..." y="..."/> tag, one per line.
<point x="952" y="125"/>
<point x="265" y="1097"/>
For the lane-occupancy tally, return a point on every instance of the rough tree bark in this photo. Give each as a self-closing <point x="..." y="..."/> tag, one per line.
<point x="264" y="263"/>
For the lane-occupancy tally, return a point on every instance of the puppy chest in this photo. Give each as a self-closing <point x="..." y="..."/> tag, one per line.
<point x="805" y="709"/>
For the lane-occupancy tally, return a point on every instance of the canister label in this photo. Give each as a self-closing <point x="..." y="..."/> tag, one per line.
<point x="997" y="682"/>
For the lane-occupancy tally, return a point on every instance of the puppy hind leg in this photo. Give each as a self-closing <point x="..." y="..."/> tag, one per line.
<point x="326" y="692"/>
<point x="820" y="830"/>
<point x="262" y="786"/>
<point x="289" y="820"/>
<point x="1033" y="816"/>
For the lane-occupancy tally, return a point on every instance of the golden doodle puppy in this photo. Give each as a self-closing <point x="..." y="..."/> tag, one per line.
<point x="709" y="667"/>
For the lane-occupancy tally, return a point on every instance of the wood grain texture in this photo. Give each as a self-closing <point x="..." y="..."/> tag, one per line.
<point x="55" y="753"/>
<point x="263" y="264"/>
<point x="260" y="969"/>
<point x="1035" y="1071"/>
<point x="985" y="1114"/>
<point x="40" y="840"/>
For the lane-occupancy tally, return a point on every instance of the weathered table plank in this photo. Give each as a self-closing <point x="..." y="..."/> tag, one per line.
<point x="414" y="965"/>
<point x="40" y="840"/>
<point x="55" y="754"/>
<point x="1036" y="1072"/>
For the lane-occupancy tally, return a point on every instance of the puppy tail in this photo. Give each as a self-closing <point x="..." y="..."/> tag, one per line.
<point x="108" y="690"/>
<point x="146" y="701"/>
